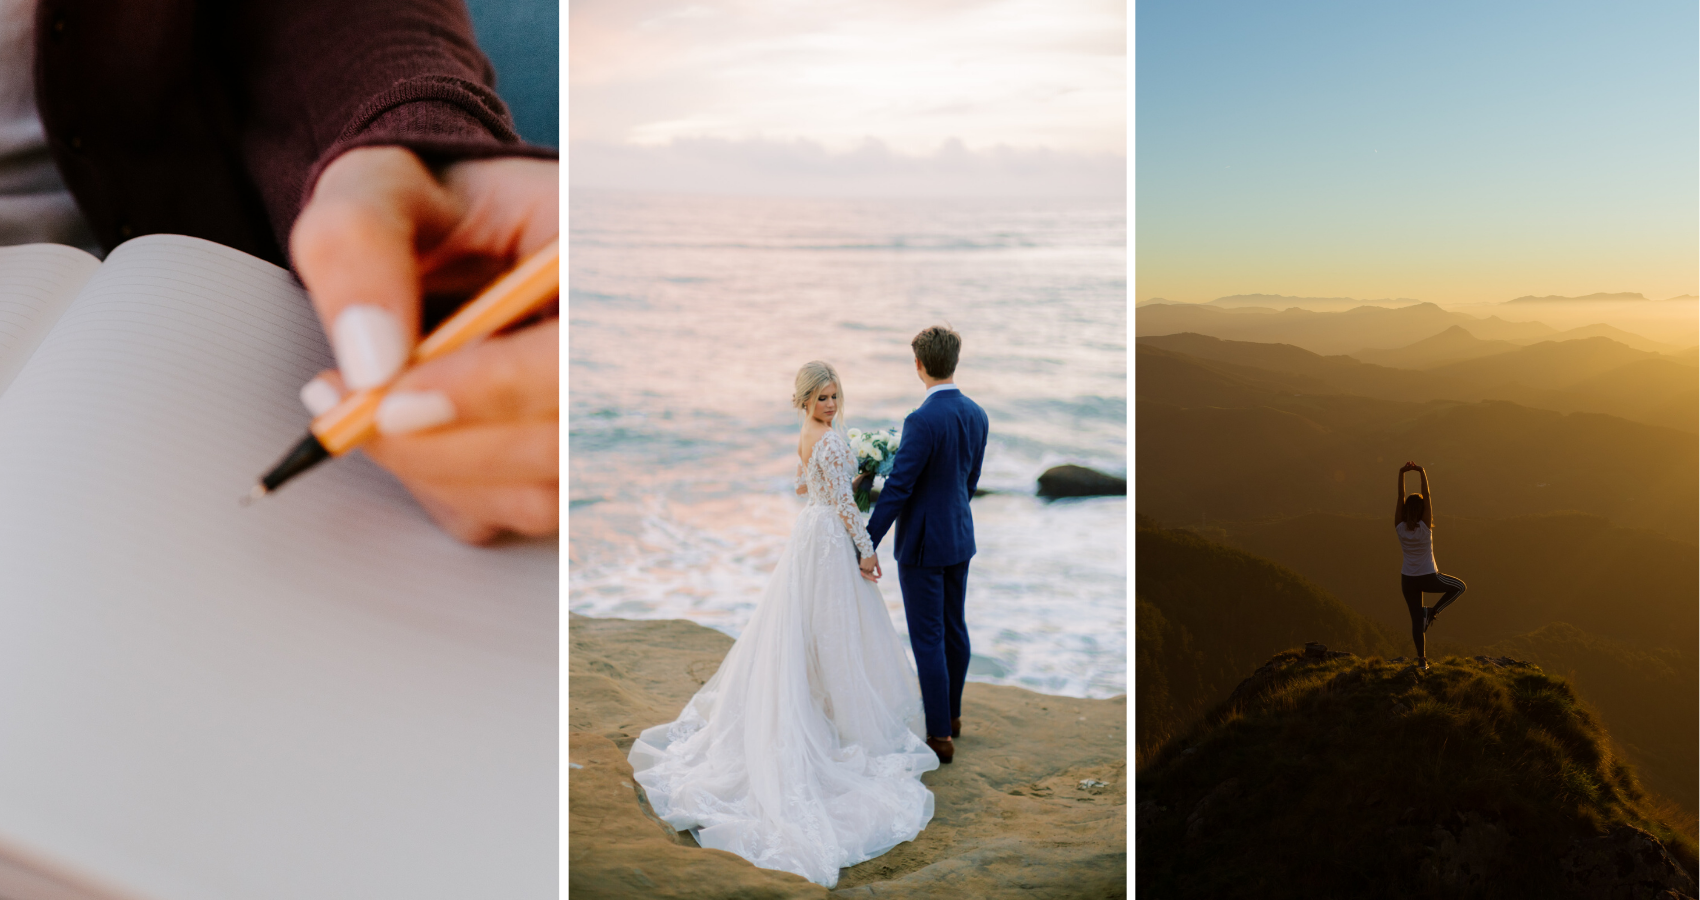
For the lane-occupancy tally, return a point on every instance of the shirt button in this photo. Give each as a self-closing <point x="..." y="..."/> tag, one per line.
<point x="76" y="142"/>
<point x="125" y="231"/>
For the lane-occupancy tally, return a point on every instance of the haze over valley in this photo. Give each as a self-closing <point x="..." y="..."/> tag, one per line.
<point x="1563" y="463"/>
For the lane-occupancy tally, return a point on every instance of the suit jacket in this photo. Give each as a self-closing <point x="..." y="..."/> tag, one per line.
<point x="932" y="479"/>
<point x="214" y="119"/>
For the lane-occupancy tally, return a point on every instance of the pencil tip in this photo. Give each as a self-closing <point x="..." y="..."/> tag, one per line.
<point x="252" y="496"/>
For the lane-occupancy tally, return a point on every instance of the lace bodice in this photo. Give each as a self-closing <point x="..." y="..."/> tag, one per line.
<point x="828" y="474"/>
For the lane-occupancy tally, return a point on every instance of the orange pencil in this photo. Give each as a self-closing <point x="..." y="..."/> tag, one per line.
<point x="522" y="291"/>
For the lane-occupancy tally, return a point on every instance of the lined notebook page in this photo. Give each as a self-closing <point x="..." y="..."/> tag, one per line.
<point x="320" y="695"/>
<point x="37" y="282"/>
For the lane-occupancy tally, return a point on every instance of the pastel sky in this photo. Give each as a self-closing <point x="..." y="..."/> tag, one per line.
<point x="836" y="97"/>
<point x="1458" y="152"/>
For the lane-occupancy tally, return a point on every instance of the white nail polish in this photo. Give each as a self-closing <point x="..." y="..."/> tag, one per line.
<point x="407" y="411"/>
<point x="369" y="345"/>
<point x="319" y="396"/>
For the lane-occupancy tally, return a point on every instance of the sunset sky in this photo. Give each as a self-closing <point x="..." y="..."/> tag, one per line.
<point x="891" y="97"/>
<point x="1444" y="151"/>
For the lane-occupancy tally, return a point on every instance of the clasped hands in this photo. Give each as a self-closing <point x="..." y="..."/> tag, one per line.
<point x="1410" y="467"/>
<point x="869" y="566"/>
<point x="473" y="435"/>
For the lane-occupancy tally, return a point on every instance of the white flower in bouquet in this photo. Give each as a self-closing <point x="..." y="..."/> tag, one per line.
<point x="874" y="450"/>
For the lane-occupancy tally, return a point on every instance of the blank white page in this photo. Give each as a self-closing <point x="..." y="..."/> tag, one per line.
<point x="37" y="282"/>
<point x="320" y="695"/>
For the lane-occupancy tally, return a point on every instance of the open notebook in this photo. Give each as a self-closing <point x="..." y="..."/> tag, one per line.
<point x="320" y="695"/>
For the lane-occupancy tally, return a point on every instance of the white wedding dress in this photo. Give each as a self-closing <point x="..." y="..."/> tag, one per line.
<point x="804" y="752"/>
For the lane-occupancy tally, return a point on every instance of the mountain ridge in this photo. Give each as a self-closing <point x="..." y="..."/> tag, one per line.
<point x="1601" y="297"/>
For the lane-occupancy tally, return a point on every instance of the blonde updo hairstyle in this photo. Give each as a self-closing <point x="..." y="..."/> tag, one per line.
<point x="813" y="376"/>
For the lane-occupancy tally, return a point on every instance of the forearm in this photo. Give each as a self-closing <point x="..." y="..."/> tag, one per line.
<point x="846" y="507"/>
<point x="319" y="78"/>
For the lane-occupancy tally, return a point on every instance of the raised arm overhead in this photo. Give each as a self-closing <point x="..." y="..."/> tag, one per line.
<point x="1399" y="493"/>
<point x="1428" y="499"/>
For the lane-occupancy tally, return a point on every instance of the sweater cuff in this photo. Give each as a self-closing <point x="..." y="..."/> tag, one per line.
<point x="440" y="118"/>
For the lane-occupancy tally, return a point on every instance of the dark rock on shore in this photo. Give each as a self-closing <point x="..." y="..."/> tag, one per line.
<point x="1034" y="805"/>
<point x="1079" y="481"/>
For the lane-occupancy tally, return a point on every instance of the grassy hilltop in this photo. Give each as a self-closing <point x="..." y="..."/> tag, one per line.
<point x="1355" y="777"/>
<point x="1205" y="615"/>
<point x="1611" y="609"/>
<point x="1496" y="746"/>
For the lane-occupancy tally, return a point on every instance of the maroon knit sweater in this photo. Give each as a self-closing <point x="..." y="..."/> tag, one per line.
<point x="213" y="119"/>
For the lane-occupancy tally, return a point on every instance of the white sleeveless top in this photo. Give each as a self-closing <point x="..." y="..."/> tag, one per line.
<point x="1418" y="545"/>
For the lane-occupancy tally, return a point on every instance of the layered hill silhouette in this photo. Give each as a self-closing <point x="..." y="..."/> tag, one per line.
<point x="1622" y="297"/>
<point x="1600" y="329"/>
<point x="1581" y="375"/>
<point x="1345" y="776"/>
<point x="1455" y="344"/>
<point x="1332" y="327"/>
<point x="1225" y="442"/>
<point x="1329" y="332"/>
<point x="1524" y="572"/>
<point x="1550" y="364"/>
<point x="1319" y="304"/>
<point x="1205" y="614"/>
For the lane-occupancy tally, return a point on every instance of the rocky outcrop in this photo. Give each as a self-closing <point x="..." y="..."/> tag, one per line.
<point x="1313" y="653"/>
<point x="1218" y="797"/>
<point x="1079" y="481"/>
<point x="1034" y="806"/>
<point x="1625" y="864"/>
<point x="1466" y="855"/>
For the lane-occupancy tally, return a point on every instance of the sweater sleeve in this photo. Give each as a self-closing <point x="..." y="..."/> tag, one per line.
<point x="319" y="78"/>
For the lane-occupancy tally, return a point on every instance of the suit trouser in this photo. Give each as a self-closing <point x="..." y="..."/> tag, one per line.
<point x="933" y="600"/>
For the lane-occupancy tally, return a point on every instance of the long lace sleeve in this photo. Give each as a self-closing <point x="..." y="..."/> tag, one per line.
<point x="837" y="465"/>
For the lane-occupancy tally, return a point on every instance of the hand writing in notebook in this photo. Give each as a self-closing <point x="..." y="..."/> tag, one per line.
<point x="473" y="435"/>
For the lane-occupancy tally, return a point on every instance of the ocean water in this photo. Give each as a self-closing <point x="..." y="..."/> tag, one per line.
<point x="689" y="317"/>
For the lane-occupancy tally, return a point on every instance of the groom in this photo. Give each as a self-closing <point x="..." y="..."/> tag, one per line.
<point x="932" y="479"/>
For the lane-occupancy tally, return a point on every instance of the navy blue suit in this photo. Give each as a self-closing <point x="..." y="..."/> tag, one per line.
<point x="926" y="495"/>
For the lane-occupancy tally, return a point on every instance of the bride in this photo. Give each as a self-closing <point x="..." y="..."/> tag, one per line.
<point x="804" y="752"/>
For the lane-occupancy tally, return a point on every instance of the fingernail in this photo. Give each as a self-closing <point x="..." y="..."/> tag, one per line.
<point x="369" y="345"/>
<point x="407" y="411"/>
<point x="319" y="396"/>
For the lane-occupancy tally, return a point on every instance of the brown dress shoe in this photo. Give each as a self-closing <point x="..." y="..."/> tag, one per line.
<point x="943" y="747"/>
<point x="956" y="728"/>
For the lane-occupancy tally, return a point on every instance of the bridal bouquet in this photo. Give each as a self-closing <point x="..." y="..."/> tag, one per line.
<point x="874" y="453"/>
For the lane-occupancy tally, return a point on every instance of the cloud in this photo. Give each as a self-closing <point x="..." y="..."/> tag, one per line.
<point x="870" y="169"/>
<point x="1021" y="73"/>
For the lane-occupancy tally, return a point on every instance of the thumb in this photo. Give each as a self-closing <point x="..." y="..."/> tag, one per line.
<point x="356" y="248"/>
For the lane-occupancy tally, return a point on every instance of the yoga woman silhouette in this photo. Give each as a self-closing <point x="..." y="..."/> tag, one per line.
<point x="1413" y="522"/>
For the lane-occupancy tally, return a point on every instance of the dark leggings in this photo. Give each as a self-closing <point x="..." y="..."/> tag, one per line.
<point x="1413" y="587"/>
